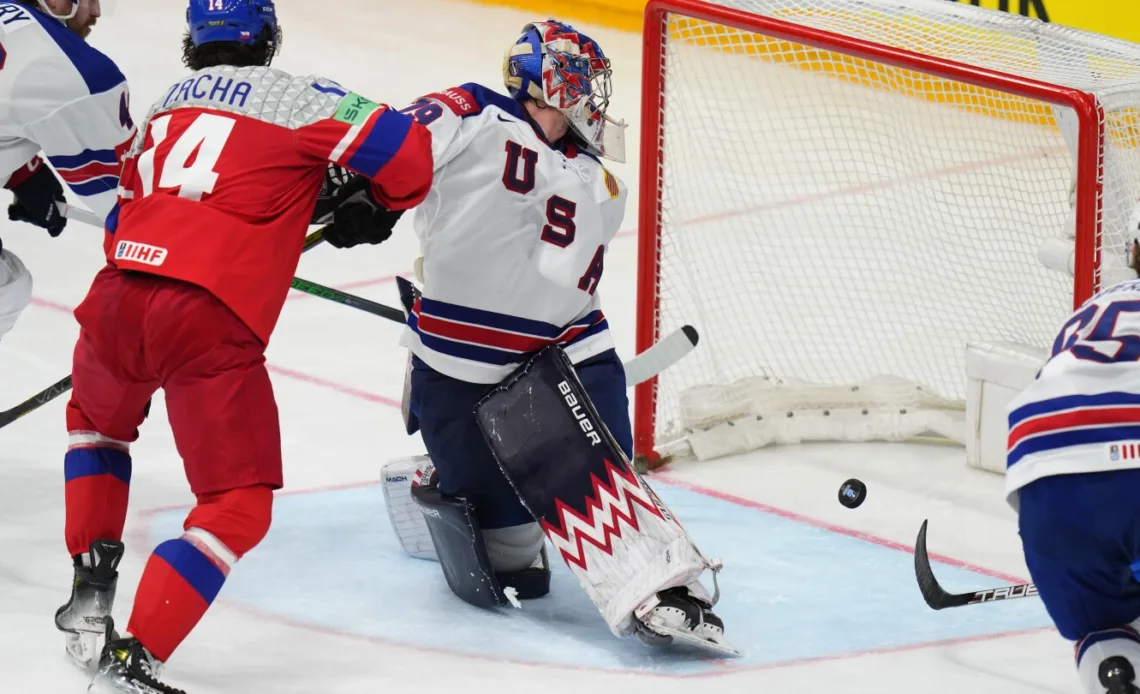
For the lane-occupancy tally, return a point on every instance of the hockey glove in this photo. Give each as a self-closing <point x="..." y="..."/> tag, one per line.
<point x="358" y="218"/>
<point x="332" y="190"/>
<point x="38" y="193"/>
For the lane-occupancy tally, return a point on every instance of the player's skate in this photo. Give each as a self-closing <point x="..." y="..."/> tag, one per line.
<point x="85" y="617"/>
<point x="127" y="668"/>
<point x="679" y="615"/>
<point x="1118" y="676"/>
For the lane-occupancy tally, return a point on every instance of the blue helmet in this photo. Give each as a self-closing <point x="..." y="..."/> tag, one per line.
<point x="235" y="21"/>
<point x="555" y="64"/>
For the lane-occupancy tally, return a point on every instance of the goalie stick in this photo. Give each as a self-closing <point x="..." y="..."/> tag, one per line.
<point x="63" y="385"/>
<point x="937" y="597"/>
<point x="663" y="354"/>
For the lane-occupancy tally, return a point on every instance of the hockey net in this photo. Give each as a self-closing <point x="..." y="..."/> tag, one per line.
<point x="842" y="194"/>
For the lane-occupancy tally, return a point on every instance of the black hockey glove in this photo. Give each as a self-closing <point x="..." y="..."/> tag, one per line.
<point x="357" y="218"/>
<point x="332" y="189"/>
<point x="37" y="192"/>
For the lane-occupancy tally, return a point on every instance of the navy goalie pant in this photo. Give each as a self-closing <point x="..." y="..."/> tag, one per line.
<point x="445" y="408"/>
<point x="1081" y="535"/>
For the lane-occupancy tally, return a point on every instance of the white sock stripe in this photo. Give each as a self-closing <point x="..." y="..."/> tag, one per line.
<point x="212" y="547"/>
<point x="92" y="439"/>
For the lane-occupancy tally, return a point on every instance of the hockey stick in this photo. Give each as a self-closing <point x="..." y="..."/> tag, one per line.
<point x="937" y="597"/>
<point x="665" y="353"/>
<point x="33" y="403"/>
<point x="52" y="392"/>
<point x="351" y="300"/>
<point x="80" y="215"/>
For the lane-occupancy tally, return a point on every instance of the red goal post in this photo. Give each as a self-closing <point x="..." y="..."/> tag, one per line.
<point x="733" y="29"/>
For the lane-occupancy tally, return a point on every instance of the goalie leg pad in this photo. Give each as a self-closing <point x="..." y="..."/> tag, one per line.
<point x="459" y="544"/>
<point x="516" y="554"/>
<point x="612" y="530"/>
<point x="462" y="551"/>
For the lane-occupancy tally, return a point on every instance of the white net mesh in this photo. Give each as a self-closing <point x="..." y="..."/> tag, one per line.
<point x="827" y="219"/>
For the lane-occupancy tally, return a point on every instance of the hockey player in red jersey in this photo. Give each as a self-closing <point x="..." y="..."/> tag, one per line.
<point x="217" y="194"/>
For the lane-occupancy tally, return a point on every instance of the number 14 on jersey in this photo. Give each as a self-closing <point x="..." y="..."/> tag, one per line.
<point x="190" y="164"/>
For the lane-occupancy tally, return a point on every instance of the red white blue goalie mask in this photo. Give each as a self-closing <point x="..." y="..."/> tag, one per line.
<point x="557" y="65"/>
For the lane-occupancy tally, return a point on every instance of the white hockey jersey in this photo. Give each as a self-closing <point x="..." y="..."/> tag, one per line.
<point x="60" y="95"/>
<point x="1082" y="414"/>
<point x="513" y="236"/>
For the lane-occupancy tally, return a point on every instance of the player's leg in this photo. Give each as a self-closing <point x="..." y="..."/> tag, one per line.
<point x="1081" y="535"/>
<point x="224" y="418"/>
<point x="108" y="403"/>
<point x="15" y="290"/>
<point x="569" y="471"/>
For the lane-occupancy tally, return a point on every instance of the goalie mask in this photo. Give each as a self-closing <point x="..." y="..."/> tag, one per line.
<point x="556" y="65"/>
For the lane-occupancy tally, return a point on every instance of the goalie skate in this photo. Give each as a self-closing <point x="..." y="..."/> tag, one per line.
<point x="676" y="616"/>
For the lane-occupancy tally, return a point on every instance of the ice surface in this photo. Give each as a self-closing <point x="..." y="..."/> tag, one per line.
<point x="820" y="597"/>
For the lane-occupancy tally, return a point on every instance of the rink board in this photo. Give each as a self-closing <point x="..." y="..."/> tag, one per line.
<point x="792" y="591"/>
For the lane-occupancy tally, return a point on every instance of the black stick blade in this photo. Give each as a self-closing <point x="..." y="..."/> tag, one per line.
<point x="937" y="597"/>
<point x="932" y="593"/>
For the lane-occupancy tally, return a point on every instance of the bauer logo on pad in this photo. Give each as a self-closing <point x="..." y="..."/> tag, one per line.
<point x="140" y="253"/>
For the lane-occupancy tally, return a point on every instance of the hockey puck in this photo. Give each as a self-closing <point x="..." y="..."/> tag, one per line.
<point x="852" y="493"/>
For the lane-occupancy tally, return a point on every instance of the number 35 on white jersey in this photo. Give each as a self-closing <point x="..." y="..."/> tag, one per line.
<point x="1082" y="414"/>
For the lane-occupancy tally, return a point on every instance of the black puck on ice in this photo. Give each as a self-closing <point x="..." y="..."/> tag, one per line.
<point x="852" y="493"/>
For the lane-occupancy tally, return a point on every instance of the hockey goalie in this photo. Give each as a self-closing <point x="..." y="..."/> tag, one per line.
<point x="633" y="558"/>
<point x="514" y="382"/>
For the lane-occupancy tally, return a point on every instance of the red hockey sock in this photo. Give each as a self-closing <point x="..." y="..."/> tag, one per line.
<point x="183" y="576"/>
<point x="180" y="581"/>
<point x="97" y="471"/>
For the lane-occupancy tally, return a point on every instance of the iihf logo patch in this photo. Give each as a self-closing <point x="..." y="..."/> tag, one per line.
<point x="1114" y="453"/>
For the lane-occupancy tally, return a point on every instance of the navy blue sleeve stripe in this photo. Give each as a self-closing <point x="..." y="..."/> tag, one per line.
<point x="87" y="156"/>
<point x="97" y="186"/>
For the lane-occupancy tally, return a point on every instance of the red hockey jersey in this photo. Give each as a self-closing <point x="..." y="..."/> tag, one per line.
<point x="222" y="180"/>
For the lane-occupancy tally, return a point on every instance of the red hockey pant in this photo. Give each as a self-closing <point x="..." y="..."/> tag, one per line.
<point x="141" y="333"/>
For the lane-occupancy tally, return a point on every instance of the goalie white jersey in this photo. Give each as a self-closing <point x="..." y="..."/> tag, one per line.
<point x="62" y="96"/>
<point x="513" y="236"/>
<point x="1082" y="414"/>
